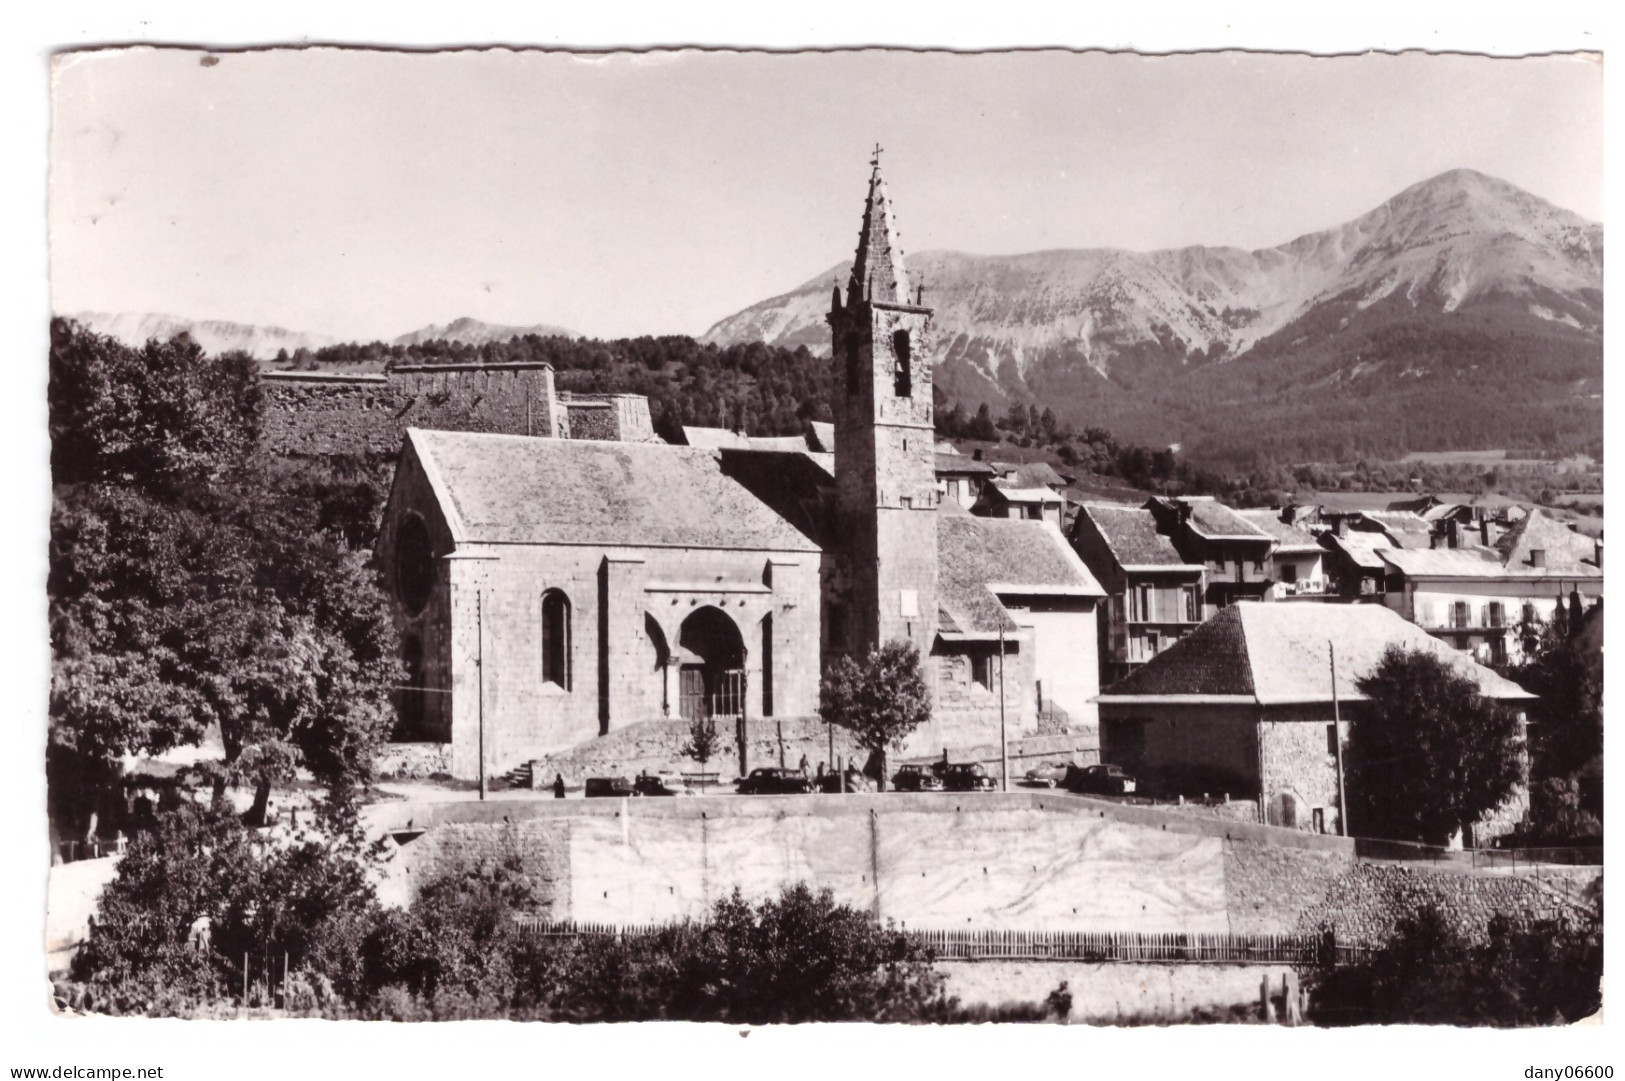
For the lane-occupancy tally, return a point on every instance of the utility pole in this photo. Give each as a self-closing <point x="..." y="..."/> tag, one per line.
<point x="479" y="668"/>
<point x="1337" y="744"/>
<point x="1004" y="744"/>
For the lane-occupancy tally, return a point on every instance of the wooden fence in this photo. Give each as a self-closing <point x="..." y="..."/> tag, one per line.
<point x="1091" y="946"/>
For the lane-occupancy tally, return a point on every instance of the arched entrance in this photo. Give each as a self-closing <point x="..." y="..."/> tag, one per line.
<point x="711" y="660"/>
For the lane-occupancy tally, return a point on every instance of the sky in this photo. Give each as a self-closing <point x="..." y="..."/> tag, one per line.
<point x="364" y="194"/>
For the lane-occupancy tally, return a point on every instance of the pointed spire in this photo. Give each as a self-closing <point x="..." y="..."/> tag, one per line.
<point x="877" y="268"/>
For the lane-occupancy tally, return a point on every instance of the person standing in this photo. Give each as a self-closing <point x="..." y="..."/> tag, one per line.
<point x="558" y="786"/>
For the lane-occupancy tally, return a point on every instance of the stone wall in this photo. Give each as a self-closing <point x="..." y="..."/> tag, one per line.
<point x="1116" y="993"/>
<point x="413" y="760"/>
<point x="1038" y="861"/>
<point x="322" y="414"/>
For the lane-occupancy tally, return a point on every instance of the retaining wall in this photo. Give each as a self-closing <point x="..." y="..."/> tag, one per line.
<point x="1113" y="993"/>
<point x="1019" y="860"/>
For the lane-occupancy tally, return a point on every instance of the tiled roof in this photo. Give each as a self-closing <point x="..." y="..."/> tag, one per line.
<point x="520" y="490"/>
<point x="961" y="465"/>
<point x="1287" y="537"/>
<point x="1027" y="495"/>
<point x="973" y="553"/>
<point x="1477" y="563"/>
<point x="1406" y="528"/>
<point x="1131" y="534"/>
<point x="1277" y="653"/>
<point x="1213" y="519"/>
<point x="1037" y="475"/>
<point x="714" y="437"/>
<point x="1362" y="548"/>
<point x="1567" y="552"/>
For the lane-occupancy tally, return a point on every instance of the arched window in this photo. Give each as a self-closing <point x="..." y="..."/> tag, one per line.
<point x="904" y="375"/>
<point x="414" y="564"/>
<point x="556" y="639"/>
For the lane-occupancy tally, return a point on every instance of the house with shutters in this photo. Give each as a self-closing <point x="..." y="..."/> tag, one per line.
<point x="1235" y="552"/>
<point x="1153" y="596"/>
<point x="549" y="591"/>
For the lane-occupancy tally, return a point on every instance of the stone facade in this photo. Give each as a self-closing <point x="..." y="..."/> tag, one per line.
<point x="480" y="633"/>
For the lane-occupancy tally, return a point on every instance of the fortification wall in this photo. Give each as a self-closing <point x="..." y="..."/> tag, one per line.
<point x="323" y="414"/>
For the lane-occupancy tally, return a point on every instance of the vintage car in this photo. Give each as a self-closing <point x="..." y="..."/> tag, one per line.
<point x="1106" y="780"/>
<point x="774" y="781"/>
<point x="662" y="784"/>
<point x="611" y="786"/>
<point x="1048" y="775"/>
<point x="916" y="779"/>
<point x="830" y="782"/>
<point x="966" y="777"/>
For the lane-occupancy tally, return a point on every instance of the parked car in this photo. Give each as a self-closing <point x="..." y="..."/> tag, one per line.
<point x="774" y="781"/>
<point x="1103" y="779"/>
<point x="855" y="782"/>
<point x="966" y="777"/>
<point x="611" y="786"/>
<point x="1046" y="776"/>
<point x="916" y="779"/>
<point x="662" y="784"/>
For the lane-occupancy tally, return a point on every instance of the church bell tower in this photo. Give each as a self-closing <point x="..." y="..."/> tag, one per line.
<point x="885" y="476"/>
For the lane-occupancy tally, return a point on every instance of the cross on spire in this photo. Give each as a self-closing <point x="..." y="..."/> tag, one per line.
<point x="875" y="161"/>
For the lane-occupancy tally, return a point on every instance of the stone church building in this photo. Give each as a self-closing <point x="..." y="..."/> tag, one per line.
<point x="550" y="588"/>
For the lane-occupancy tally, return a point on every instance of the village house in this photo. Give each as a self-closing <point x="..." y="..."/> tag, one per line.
<point x="961" y="477"/>
<point x="1245" y="705"/>
<point x="1491" y="601"/>
<point x="1297" y="562"/>
<point x="1235" y="552"/>
<point x="1036" y="504"/>
<point x="549" y="591"/>
<point x="1153" y="597"/>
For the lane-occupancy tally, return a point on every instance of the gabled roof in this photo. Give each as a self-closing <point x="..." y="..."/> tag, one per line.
<point x="1567" y="552"/>
<point x="1478" y="563"/>
<point x="508" y="489"/>
<point x="1130" y="533"/>
<point x="1288" y="538"/>
<point x="1026" y="495"/>
<point x="1281" y="653"/>
<point x="1407" y="529"/>
<point x="961" y="465"/>
<point x="1037" y="475"/>
<point x="1363" y="548"/>
<point x="980" y="558"/>
<point x="1209" y="518"/>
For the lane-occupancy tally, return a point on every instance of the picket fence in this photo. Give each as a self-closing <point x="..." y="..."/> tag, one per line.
<point x="1093" y="946"/>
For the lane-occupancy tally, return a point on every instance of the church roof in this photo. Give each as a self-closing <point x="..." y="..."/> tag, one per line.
<point x="507" y="489"/>
<point x="877" y="268"/>
<point x="980" y="558"/>
<point x="1278" y="653"/>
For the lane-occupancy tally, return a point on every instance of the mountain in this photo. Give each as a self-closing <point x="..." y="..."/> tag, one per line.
<point x="473" y="332"/>
<point x="214" y="335"/>
<point x="1414" y="301"/>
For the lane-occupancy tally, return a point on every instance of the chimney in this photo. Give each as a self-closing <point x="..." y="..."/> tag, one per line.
<point x="1455" y="533"/>
<point x="1484" y="531"/>
<point x="1537" y="558"/>
<point x="976" y="455"/>
<point x="1598" y="555"/>
<point x="1342" y="526"/>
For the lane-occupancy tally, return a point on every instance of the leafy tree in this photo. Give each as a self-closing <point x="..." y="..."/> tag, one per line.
<point x="1429" y="755"/>
<point x="200" y="891"/>
<point x="1430" y="974"/>
<point x="158" y="417"/>
<point x="703" y="742"/>
<point x="880" y="699"/>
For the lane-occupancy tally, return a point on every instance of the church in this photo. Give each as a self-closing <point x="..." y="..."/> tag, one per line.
<point x="550" y="590"/>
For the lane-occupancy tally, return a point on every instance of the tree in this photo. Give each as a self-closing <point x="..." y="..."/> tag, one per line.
<point x="703" y="742"/>
<point x="880" y="700"/>
<point x="1429" y="755"/>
